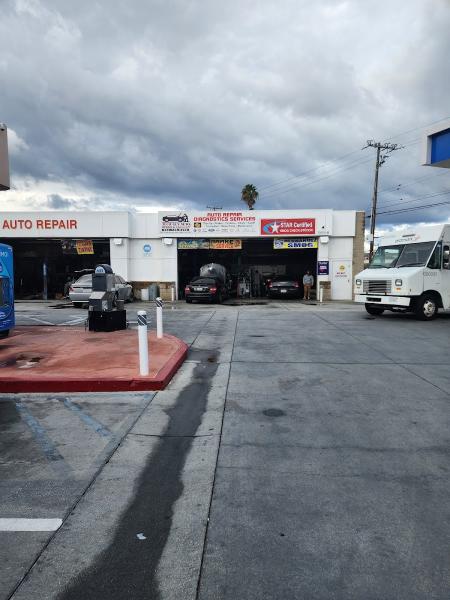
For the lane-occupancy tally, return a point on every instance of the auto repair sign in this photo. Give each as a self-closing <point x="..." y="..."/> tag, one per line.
<point x="288" y="226"/>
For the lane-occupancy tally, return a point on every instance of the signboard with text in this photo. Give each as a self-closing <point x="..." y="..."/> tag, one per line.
<point x="193" y="244"/>
<point x="288" y="226"/>
<point x="323" y="267"/>
<point x="301" y="244"/>
<point x="84" y="247"/>
<point x="226" y="244"/>
<point x="201" y="224"/>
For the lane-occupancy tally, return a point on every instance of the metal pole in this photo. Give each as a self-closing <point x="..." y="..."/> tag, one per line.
<point x="159" y="318"/>
<point x="143" y="342"/>
<point x="373" y="217"/>
<point x="320" y="294"/>
<point x="172" y="294"/>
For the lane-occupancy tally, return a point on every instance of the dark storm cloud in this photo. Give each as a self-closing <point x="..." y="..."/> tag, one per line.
<point x="181" y="103"/>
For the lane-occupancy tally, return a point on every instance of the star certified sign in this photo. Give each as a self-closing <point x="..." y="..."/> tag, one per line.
<point x="288" y="226"/>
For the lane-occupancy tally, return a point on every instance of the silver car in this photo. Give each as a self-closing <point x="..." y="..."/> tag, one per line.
<point x="81" y="289"/>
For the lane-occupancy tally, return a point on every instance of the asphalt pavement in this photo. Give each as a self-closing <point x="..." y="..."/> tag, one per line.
<point x="301" y="452"/>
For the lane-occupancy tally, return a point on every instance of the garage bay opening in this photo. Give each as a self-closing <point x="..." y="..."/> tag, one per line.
<point x="251" y="263"/>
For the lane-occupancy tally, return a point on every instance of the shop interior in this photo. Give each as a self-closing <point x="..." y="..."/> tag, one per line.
<point x="257" y="254"/>
<point x="42" y="266"/>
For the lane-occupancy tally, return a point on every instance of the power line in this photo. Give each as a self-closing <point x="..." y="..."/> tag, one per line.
<point x="443" y="193"/>
<point x="302" y="184"/>
<point x="286" y="180"/>
<point x="424" y="206"/>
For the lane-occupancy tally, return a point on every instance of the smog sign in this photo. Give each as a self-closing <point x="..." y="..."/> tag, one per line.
<point x="301" y="244"/>
<point x="288" y="226"/>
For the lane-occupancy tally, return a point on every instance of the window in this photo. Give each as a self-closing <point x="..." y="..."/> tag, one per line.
<point x="435" y="260"/>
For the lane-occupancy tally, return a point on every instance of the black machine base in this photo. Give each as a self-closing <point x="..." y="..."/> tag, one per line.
<point x="107" y="320"/>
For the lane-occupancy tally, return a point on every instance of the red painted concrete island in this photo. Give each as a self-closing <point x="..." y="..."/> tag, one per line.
<point x="69" y="359"/>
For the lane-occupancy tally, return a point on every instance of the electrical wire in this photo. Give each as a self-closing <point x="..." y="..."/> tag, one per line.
<point x="288" y="179"/>
<point x="413" y="208"/>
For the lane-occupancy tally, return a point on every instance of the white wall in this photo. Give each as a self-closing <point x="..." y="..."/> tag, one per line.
<point x="160" y="264"/>
<point x="341" y="250"/>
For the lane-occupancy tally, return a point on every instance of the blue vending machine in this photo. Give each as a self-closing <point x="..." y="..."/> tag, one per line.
<point x="6" y="290"/>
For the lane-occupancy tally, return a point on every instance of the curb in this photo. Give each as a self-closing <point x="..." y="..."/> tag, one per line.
<point x="121" y="384"/>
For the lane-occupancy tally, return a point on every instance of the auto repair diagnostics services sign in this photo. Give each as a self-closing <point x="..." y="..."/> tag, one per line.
<point x="288" y="226"/>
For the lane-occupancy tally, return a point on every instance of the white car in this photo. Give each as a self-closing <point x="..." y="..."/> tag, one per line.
<point x="81" y="289"/>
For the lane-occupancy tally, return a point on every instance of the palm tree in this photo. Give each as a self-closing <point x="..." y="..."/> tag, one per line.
<point x="249" y="195"/>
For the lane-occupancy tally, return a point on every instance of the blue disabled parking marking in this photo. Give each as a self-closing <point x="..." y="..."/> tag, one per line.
<point x="88" y="420"/>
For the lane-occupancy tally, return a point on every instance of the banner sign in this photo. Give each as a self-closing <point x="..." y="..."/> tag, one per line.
<point x="84" y="247"/>
<point x="193" y="244"/>
<point x="323" y="267"/>
<point x="301" y="244"/>
<point x="226" y="244"/>
<point x="207" y="224"/>
<point x="288" y="226"/>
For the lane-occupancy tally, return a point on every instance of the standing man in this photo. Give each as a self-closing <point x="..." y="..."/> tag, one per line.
<point x="308" y="282"/>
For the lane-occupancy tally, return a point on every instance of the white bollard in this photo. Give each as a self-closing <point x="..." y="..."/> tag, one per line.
<point x="321" y="294"/>
<point x="159" y="318"/>
<point x="143" y="342"/>
<point x="172" y="294"/>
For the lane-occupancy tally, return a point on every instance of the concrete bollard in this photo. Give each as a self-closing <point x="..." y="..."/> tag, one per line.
<point x="143" y="342"/>
<point x="320" y="294"/>
<point x="172" y="294"/>
<point x="159" y="318"/>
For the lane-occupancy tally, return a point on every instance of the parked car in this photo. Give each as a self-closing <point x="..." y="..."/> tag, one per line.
<point x="206" y="288"/>
<point x="81" y="289"/>
<point x="283" y="287"/>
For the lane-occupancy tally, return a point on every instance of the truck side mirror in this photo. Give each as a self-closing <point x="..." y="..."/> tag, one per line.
<point x="446" y="258"/>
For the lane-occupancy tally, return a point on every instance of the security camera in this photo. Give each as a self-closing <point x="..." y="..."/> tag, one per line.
<point x="2" y="127"/>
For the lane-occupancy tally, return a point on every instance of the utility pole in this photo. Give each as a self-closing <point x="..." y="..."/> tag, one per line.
<point x="381" y="159"/>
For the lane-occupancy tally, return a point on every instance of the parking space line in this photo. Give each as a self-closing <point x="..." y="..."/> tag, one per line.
<point x="87" y="419"/>
<point x="45" y="443"/>
<point x="37" y="320"/>
<point x="12" y="524"/>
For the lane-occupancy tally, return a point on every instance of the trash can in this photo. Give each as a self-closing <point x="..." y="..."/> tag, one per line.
<point x="153" y="291"/>
<point x="145" y="294"/>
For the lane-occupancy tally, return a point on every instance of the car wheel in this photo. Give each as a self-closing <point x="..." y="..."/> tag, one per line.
<point x="426" y="307"/>
<point x="189" y="301"/>
<point x="4" y="334"/>
<point x="374" y="310"/>
<point x="77" y="304"/>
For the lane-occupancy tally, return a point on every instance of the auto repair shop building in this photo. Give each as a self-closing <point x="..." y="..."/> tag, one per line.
<point x="169" y="247"/>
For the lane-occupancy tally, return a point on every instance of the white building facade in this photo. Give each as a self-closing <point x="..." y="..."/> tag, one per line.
<point x="144" y="247"/>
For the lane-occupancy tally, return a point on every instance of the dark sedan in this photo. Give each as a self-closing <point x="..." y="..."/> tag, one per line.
<point x="283" y="287"/>
<point x="205" y="288"/>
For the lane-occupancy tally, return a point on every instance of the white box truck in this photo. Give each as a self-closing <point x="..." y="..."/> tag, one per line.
<point x="408" y="272"/>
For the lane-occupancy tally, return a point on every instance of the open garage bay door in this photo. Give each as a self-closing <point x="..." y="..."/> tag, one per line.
<point x="41" y="267"/>
<point x="271" y="257"/>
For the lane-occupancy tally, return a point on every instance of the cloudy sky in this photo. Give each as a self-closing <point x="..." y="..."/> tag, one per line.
<point x="179" y="103"/>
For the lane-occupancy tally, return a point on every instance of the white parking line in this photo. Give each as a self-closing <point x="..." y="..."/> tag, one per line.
<point x="30" y="524"/>
<point x="37" y="320"/>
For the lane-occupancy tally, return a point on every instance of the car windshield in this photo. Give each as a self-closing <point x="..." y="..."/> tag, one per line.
<point x="402" y="255"/>
<point x="415" y="255"/>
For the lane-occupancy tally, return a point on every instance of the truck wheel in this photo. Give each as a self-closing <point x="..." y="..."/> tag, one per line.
<point x="374" y="310"/>
<point x="426" y="308"/>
